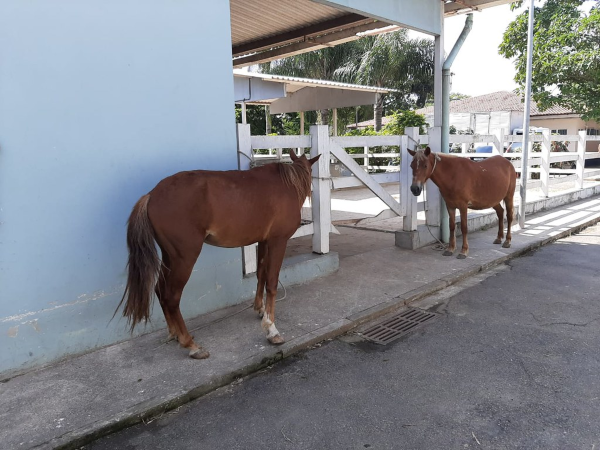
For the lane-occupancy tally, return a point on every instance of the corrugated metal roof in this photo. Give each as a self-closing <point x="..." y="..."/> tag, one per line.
<point x="296" y="83"/>
<point x="258" y="26"/>
<point x="252" y="20"/>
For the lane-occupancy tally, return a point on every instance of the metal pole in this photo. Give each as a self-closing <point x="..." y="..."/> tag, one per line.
<point x="446" y="78"/>
<point x="525" y="148"/>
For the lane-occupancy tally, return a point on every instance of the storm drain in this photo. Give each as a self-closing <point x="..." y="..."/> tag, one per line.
<point x="393" y="328"/>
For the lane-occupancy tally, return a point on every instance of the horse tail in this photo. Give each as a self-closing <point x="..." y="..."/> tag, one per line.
<point x="142" y="267"/>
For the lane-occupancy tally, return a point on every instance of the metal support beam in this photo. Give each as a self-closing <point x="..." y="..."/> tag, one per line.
<point x="525" y="154"/>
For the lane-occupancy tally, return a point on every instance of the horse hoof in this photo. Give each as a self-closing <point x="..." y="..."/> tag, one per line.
<point x="461" y="256"/>
<point x="506" y="244"/>
<point x="447" y="253"/>
<point x="199" y="353"/>
<point x="498" y="241"/>
<point x="276" y="340"/>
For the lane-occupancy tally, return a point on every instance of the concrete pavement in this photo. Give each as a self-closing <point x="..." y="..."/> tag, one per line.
<point x="68" y="404"/>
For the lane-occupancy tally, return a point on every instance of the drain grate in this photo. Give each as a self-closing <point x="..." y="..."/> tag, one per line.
<point x="391" y="329"/>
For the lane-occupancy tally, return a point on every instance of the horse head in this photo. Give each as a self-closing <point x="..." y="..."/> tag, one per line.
<point x="303" y="160"/>
<point x="422" y="167"/>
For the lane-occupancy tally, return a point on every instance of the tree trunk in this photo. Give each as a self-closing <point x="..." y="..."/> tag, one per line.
<point x="323" y="116"/>
<point x="267" y="120"/>
<point x="377" y="110"/>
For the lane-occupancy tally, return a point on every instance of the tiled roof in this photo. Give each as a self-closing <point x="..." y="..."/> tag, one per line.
<point x="496" y="101"/>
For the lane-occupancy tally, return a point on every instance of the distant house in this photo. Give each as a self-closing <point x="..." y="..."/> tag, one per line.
<point x="487" y="114"/>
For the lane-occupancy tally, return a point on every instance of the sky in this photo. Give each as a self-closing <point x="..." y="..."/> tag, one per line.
<point x="478" y="68"/>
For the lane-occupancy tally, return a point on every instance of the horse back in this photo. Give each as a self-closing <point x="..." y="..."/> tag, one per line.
<point x="226" y="208"/>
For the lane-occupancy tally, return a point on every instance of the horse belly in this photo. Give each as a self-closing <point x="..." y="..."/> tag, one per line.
<point x="247" y="229"/>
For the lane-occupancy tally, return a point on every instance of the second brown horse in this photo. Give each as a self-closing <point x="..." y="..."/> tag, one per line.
<point x="226" y="209"/>
<point x="465" y="184"/>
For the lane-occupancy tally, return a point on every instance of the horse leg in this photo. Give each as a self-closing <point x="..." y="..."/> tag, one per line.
<point x="452" y="221"/>
<point x="180" y="270"/>
<point x="160" y="289"/>
<point x="508" y="202"/>
<point x="261" y="275"/>
<point x="275" y="254"/>
<point x="500" y="213"/>
<point x="463" y="228"/>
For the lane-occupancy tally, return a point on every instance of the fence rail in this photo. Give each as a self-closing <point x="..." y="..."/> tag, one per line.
<point x="546" y="168"/>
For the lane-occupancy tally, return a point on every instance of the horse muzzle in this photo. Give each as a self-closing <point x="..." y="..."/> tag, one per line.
<point x="416" y="189"/>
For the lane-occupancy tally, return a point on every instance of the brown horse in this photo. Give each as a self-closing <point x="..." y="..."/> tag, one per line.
<point x="465" y="184"/>
<point x="226" y="209"/>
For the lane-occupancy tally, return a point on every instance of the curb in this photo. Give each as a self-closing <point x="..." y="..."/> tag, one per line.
<point x="150" y="409"/>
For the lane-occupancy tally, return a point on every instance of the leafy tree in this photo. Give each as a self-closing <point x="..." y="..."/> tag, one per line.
<point x="566" y="55"/>
<point x="402" y="119"/>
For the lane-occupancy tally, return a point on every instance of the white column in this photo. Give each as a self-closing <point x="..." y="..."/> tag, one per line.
<point x="321" y="194"/>
<point x="408" y="200"/>
<point x="545" y="166"/>
<point x="580" y="165"/>
<point x="432" y="192"/>
<point x="244" y="141"/>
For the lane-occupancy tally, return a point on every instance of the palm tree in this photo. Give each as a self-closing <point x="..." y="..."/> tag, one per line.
<point x="319" y="64"/>
<point x="392" y="60"/>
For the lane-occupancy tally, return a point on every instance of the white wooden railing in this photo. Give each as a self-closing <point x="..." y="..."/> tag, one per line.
<point x="407" y="206"/>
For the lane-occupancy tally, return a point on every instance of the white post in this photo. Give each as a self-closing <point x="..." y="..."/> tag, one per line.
<point x="244" y="159"/>
<point x="279" y="154"/>
<point x="432" y="192"/>
<point x="527" y="110"/>
<point x="301" y="150"/>
<point x="464" y="147"/>
<point x="409" y="201"/>
<point x="321" y="194"/>
<point x="545" y="167"/>
<point x="500" y="141"/>
<point x="244" y="121"/>
<point x="580" y="166"/>
<point x="366" y="150"/>
<point x="335" y="125"/>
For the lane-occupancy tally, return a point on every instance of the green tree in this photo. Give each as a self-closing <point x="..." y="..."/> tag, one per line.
<point x="320" y="64"/>
<point x="566" y="55"/>
<point x="402" y="119"/>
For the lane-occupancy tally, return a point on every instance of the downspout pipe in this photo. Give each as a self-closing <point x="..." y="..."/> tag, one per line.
<point x="446" y="78"/>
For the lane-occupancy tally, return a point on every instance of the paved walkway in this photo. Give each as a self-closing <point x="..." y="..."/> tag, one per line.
<point x="70" y="403"/>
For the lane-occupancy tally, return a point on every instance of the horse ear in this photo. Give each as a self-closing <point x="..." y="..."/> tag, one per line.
<point x="293" y="155"/>
<point x="411" y="152"/>
<point x="314" y="160"/>
<point x="427" y="151"/>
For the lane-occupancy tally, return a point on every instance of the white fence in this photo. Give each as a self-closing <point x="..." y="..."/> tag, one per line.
<point x="407" y="206"/>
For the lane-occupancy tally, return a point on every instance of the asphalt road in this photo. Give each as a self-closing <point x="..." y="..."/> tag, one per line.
<point x="512" y="361"/>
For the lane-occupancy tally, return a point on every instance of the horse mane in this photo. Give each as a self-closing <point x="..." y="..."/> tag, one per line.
<point x="297" y="176"/>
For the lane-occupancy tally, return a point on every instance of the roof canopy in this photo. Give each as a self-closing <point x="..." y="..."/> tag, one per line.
<point x="264" y="30"/>
<point x="292" y="94"/>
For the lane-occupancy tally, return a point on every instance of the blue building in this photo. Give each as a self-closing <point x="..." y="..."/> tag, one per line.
<point x="101" y="100"/>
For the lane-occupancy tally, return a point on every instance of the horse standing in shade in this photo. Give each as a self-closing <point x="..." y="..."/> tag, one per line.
<point x="466" y="184"/>
<point x="226" y="209"/>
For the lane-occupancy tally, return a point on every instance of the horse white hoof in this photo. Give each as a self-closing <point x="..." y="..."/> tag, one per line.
<point x="506" y="244"/>
<point x="276" y="340"/>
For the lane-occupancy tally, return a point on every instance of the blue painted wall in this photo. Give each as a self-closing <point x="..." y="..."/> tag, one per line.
<point x="99" y="100"/>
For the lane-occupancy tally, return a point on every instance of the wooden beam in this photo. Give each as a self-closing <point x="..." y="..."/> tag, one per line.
<point x="299" y="34"/>
<point x="308" y="45"/>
